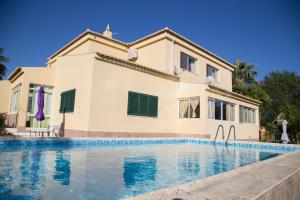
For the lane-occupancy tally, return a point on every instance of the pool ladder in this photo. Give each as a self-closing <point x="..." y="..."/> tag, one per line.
<point x="232" y="127"/>
<point x="218" y="132"/>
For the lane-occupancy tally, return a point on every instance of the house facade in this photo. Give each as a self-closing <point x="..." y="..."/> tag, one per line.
<point x="162" y="85"/>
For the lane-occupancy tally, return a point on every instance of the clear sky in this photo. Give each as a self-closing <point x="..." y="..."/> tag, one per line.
<point x="263" y="32"/>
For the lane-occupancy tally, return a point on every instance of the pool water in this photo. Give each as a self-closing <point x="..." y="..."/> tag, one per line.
<point x="113" y="172"/>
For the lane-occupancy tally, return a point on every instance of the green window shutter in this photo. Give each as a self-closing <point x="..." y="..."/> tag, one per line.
<point x="153" y="104"/>
<point x="133" y="103"/>
<point x="67" y="96"/>
<point x="72" y="100"/>
<point x="143" y="104"/>
<point x="67" y="101"/>
<point x="62" y="102"/>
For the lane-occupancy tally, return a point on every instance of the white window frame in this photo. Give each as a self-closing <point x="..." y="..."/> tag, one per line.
<point x="214" y="100"/>
<point x="36" y="89"/>
<point x="195" y="63"/>
<point x="248" y="115"/>
<point x="15" y="99"/>
<point x="216" y="69"/>
<point x="188" y="99"/>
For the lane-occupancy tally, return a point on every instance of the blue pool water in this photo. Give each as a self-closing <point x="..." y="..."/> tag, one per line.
<point x="113" y="171"/>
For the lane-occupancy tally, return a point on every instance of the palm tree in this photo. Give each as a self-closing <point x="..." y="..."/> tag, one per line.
<point x="3" y="68"/>
<point x="244" y="73"/>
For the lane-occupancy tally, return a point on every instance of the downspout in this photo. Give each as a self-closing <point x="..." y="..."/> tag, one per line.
<point x="172" y="58"/>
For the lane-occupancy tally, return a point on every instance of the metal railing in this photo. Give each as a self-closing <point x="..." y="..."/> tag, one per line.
<point x="231" y="127"/>
<point x="218" y="132"/>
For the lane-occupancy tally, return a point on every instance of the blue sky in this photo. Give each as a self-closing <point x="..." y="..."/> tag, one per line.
<point x="263" y="32"/>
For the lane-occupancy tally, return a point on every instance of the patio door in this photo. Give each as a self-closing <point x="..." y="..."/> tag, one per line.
<point x="32" y="106"/>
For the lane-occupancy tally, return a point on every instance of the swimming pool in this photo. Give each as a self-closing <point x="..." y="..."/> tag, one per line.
<point x="116" y="168"/>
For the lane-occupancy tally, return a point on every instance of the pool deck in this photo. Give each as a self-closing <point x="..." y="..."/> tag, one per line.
<point x="273" y="179"/>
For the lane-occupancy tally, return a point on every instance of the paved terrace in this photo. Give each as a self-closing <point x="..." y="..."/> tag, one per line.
<point x="273" y="179"/>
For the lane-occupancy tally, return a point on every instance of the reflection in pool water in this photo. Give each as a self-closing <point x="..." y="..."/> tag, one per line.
<point x="139" y="170"/>
<point x="188" y="164"/>
<point x="112" y="172"/>
<point x="62" y="168"/>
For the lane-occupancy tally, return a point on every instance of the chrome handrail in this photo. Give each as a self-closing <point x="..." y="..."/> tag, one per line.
<point x="218" y="132"/>
<point x="232" y="126"/>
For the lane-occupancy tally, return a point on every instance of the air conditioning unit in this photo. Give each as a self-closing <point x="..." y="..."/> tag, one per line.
<point x="132" y="54"/>
<point x="210" y="80"/>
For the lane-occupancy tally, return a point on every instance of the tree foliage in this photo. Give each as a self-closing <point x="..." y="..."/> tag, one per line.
<point x="284" y="91"/>
<point x="279" y="93"/>
<point x="244" y="83"/>
<point x="244" y="73"/>
<point x="3" y="60"/>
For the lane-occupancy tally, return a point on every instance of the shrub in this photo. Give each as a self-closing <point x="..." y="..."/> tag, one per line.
<point x="2" y="122"/>
<point x="272" y="132"/>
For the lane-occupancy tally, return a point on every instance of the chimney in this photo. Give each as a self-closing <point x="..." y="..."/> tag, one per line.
<point x="107" y="33"/>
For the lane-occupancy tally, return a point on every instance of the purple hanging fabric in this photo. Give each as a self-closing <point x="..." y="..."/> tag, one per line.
<point x="40" y="114"/>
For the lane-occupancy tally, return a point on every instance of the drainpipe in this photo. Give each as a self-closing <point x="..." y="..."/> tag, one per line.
<point x="172" y="57"/>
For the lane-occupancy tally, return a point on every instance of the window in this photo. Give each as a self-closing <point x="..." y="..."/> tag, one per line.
<point x="211" y="71"/>
<point x="142" y="104"/>
<point x="67" y="101"/>
<point x="187" y="62"/>
<point x="32" y="106"/>
<point x="189" y="107"/>
<point x="220" y="110"/>
<point x="228" y="111"/>
<point x="211" y="109"/>
<point x="231" y="112"/>
<point x="14" y="99"/>
<point x="247" y="115"/>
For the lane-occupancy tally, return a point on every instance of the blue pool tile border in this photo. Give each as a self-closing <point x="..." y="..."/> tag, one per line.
<point x="69" y="142"/>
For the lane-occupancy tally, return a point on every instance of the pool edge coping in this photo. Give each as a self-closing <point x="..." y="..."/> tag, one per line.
<point x="148" y="138"/>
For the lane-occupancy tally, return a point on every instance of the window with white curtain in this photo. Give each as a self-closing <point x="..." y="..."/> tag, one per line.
<point x="211" y="109"/>
<point x="247" y="115"/>
<point x="220" y="110"/>
<point x="188" y="63"/>
<point x="14" y="99"/>
<point x="189" y="107"/>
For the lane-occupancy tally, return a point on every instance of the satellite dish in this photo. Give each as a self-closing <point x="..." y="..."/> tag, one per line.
<point x="210" y="80"/>
<point x="176" y="72"/>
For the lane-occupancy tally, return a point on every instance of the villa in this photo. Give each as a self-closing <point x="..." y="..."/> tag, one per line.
<point x="162" y="85"/>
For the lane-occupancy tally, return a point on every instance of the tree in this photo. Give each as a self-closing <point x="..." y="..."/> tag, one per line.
<point x="3" y="61"/>
<point x="284" y="91"/>
<point x="279" y="93"/>
<point x="244" y="73"/>
<point x="244" y="83"/>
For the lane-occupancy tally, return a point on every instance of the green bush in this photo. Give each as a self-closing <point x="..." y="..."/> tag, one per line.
<point x="272" y="132"/>
<point x="2" y="122"/>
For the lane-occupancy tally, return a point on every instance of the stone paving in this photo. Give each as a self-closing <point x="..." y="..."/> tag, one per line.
<point x="274" y="179"/>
